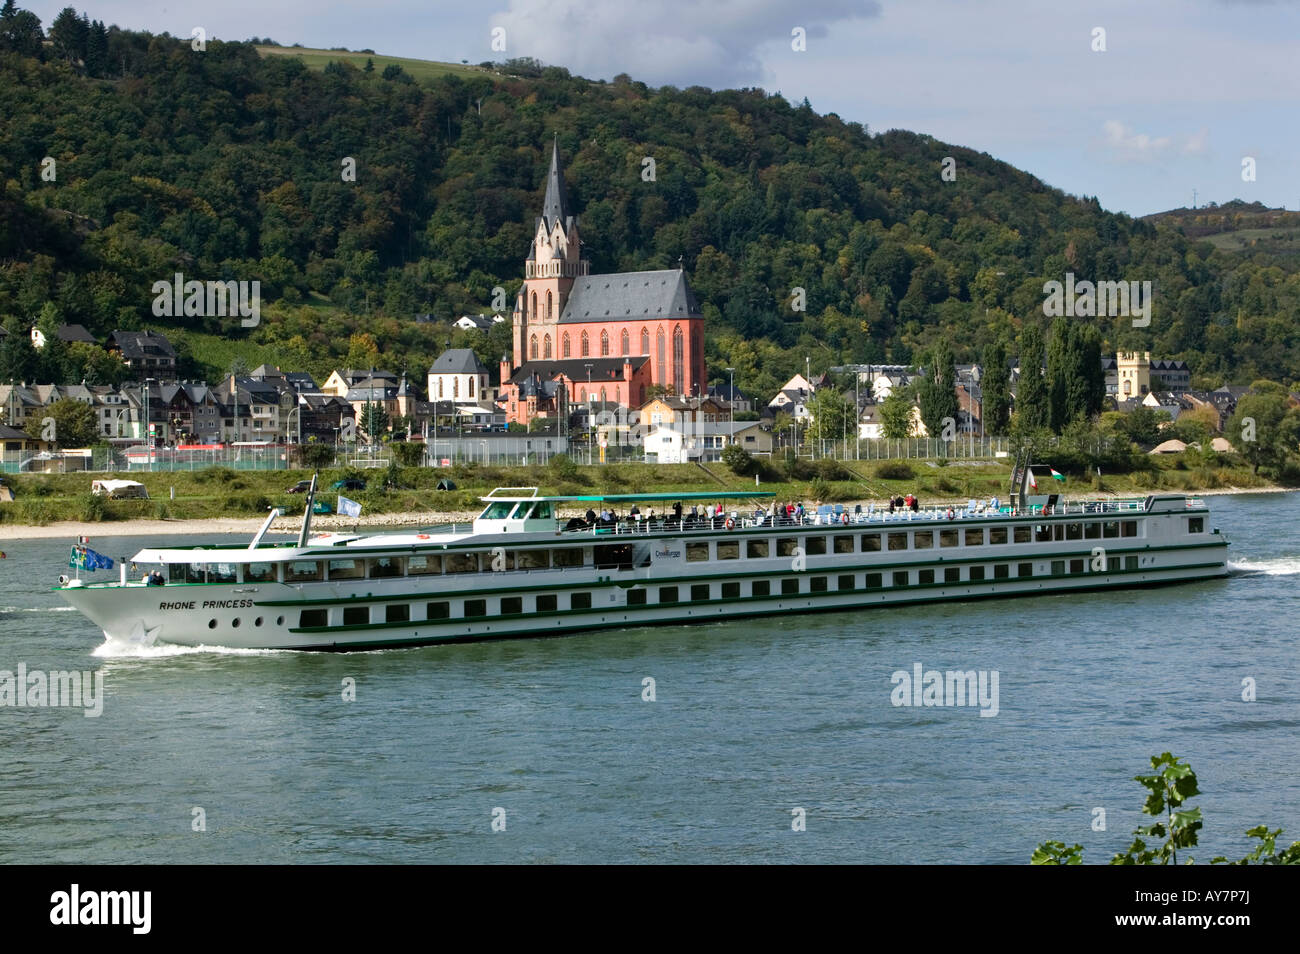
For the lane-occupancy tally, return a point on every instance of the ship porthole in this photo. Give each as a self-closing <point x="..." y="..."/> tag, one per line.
<point x="279" y="621"/>
<point x="235" y="622"/>
<point x="258" y="621"/>
<point x="212" y="624"/>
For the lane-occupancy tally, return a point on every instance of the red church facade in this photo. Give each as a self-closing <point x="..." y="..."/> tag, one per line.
<point x="580" y="337"/>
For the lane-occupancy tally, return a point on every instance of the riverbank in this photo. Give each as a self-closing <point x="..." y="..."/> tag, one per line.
<point x="247" y="526"/>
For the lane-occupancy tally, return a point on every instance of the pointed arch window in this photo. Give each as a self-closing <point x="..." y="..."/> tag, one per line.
<point x="662" y="361"/>
<point x="679" y="360"/>
<point x="645" y="342"/>
<point x="586" y="346"/>
<point x="602" y="395"/>
<point x="550" y="301"/>
<point x="564" y="346"/>
<point x="604" y="344"/>
<point x="546" y="347"/>
<point x="532" y="347"/>
<point x="440" y="387"/>
<point x="625" y="343"/>
<point x="455" y="385"/>
<point x="534" y="311"/>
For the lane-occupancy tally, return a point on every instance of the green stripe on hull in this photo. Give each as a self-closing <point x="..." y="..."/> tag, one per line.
<point x="694" y="614"/>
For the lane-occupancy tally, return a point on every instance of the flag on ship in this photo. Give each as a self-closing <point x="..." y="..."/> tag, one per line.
<point x="84" y="558"/>
<point x="349" y="508"/>
<point x="1055" y="474"/>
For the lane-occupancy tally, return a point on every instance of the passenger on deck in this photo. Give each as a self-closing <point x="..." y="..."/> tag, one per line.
<point x="591" y="516"/>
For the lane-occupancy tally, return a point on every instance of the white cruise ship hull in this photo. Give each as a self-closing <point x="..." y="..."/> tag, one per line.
<point x="645" y="578"/>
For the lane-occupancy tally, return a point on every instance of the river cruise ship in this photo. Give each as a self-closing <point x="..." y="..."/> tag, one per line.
<point x="521" y="569"/>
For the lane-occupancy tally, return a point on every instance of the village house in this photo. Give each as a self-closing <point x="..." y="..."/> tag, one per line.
<point x="146" y="353"/>
<point x="725" y="394"/>
<point x="457" y="375"/>
<point x="68" y="334"/>
<point x="341" y="380"/>
<point x="672" y="410"/>
<point x="477" y="322"/>
<point x="697" y="442"/>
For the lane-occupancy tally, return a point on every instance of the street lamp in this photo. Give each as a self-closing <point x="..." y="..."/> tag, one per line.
<point x="731" y="397"/>
<point x="590" y="402"/>
<point x="148" y="423"/>
<point x="298" y="422"/>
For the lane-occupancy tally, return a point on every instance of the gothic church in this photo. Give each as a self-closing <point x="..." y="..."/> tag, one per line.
<point x="581" y="338"/>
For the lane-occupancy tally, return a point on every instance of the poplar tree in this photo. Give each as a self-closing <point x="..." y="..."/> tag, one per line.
<point x="1031" y="397"/>
<point x="996" y="405"/>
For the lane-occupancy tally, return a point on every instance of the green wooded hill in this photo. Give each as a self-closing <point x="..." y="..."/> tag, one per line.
<point x="226" y="164"/>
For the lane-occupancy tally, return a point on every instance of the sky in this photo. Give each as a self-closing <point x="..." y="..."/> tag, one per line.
<point x="1146" y="104"/>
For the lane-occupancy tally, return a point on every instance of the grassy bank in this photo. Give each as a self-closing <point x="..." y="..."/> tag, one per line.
<point x="218" y="492"/>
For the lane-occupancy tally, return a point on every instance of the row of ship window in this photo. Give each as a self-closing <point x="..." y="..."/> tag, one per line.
<point x="364" y="615"/>
<point x="356" y="568"/>
<point x="915" y="539"/>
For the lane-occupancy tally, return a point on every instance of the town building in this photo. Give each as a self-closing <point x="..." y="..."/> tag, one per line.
<point x="68" y="334"/>
<point x="673" y="411"/>
<point x="693" y="442"/>
<point x="146" y="353"/>
<point x="457" y="375"/>
<point x="477" y="322"/>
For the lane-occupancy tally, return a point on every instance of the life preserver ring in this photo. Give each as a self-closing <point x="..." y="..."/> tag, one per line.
<point x="844" y="518"/>
<point x="422" y="536"/>
<point x="730" y="524"/>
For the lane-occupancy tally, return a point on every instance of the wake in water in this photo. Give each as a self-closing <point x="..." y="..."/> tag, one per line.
<point x="1283" y="566"/>
<point x="144" y="645"/>
<point x="130" y="649"/>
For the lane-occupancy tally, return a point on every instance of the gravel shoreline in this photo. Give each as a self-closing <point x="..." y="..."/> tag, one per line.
<point x="384" y="521"/>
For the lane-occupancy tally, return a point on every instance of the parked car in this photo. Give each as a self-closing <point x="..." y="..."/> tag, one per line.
<point x="350" y="483"/>
<point x="301" y="487"/>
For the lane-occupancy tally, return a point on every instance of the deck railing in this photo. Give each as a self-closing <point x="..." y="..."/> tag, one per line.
<point x="627" y="526"/>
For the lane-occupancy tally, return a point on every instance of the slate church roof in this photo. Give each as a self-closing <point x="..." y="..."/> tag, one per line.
<point x="629" y="296"/>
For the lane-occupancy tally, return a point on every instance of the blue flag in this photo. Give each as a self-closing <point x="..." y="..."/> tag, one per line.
<point x="84" y="558"/>
<point x="349" y="508"/>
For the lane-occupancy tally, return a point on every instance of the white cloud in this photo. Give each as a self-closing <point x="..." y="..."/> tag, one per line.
<point x="1126" y="143"/>
<point x="661" y="41"/>
<point x="1197" y="142"/>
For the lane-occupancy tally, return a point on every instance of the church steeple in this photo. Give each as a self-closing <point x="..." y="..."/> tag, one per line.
<point x="555" y="207"/>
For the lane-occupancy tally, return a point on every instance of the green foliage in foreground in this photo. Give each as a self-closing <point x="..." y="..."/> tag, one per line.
<point x="1170" y="786"/>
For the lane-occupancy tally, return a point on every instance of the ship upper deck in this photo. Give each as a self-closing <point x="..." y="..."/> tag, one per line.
<point x="518" y="518"/>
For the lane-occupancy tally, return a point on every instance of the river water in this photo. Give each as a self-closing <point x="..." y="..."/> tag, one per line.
<point x="549" y="750"/>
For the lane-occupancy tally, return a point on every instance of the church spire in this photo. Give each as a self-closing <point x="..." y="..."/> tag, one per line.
<point x="555" y="207"/>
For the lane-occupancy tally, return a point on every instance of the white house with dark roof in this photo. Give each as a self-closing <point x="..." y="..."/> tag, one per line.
<point x="457" y="375"/>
